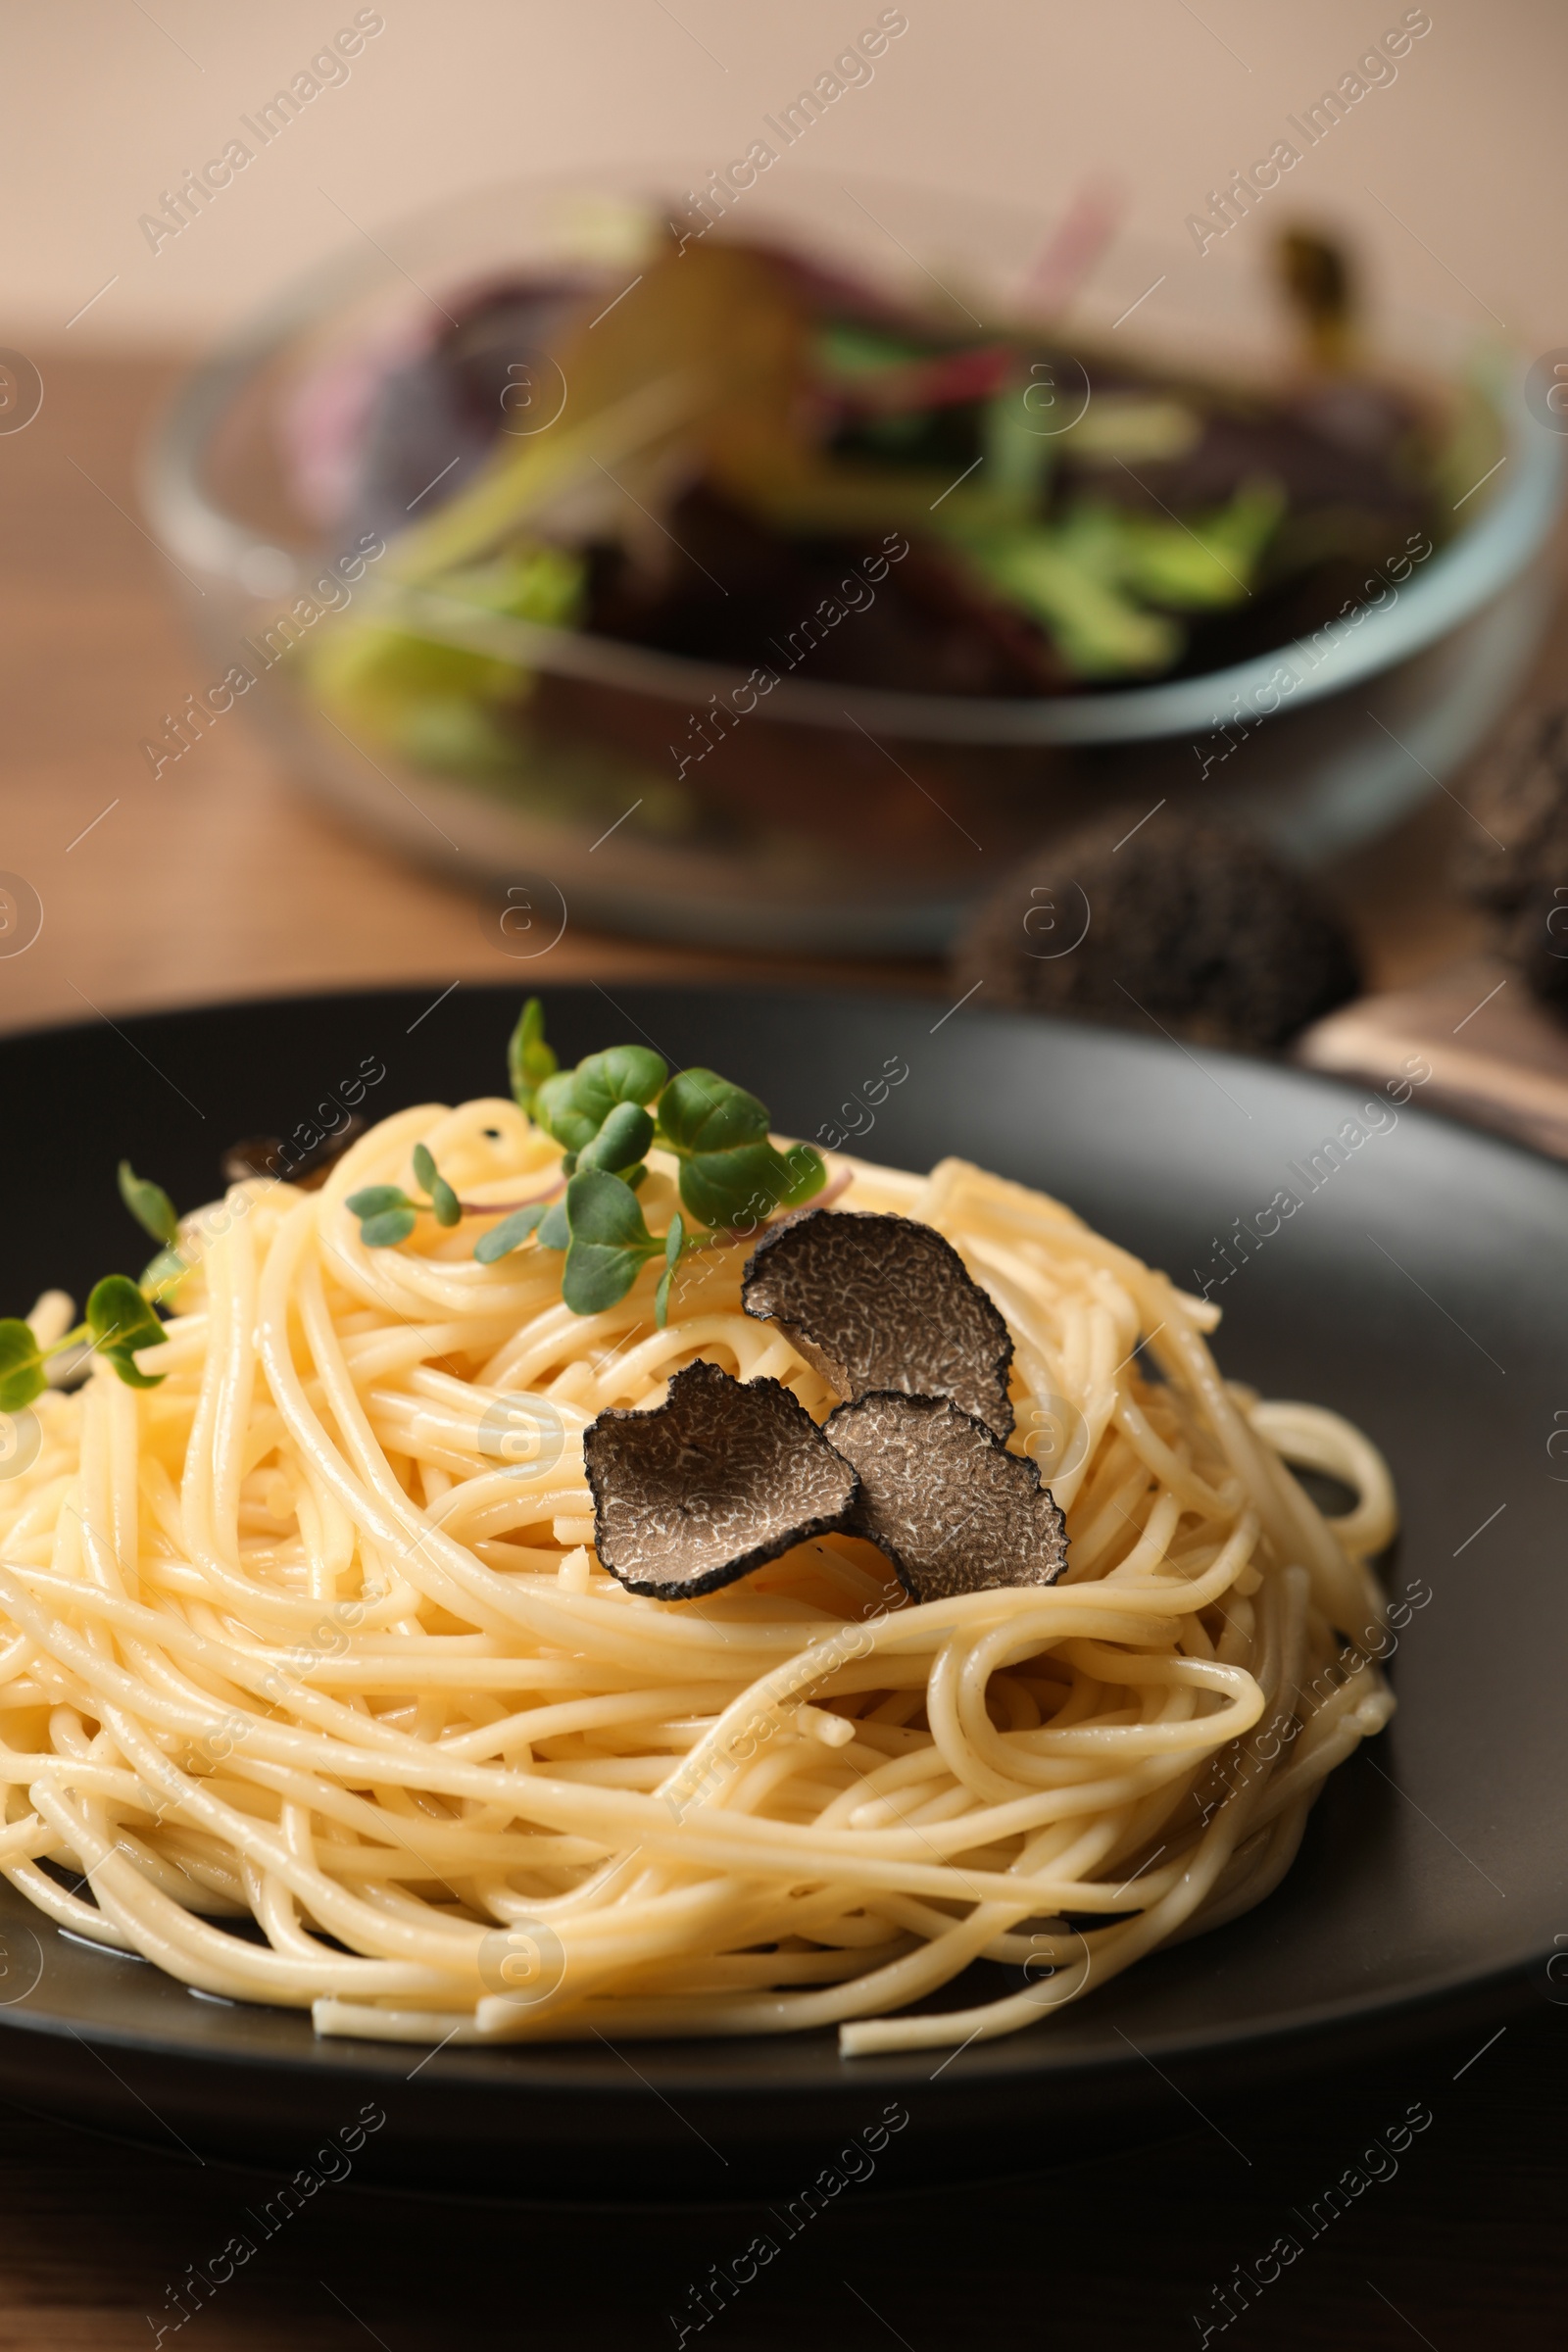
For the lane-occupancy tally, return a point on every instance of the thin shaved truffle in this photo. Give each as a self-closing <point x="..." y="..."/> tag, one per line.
<point x="725" y="1475"/>
<point x="877" y="1303"/>
<point x="952" y="1508"/>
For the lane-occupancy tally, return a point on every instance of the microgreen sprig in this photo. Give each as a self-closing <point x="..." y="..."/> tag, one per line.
<point x="386" y="1213"/>
<point x="609" y="1243"/>
<point x="529" y="1059"/>
<point x="614" y="1106"/>
<point x="120" y="1317"/>
<point x="155" y="1213"/>
<point x="119" y="1321"/>
<point x="731" y="1175"/>
<point x="599" y="1110"/>
<point x="150" y="1206"/>
<point x="444" y="1200"/>
<point x="21" y="1361"/>
<point x="607" y="1113"/>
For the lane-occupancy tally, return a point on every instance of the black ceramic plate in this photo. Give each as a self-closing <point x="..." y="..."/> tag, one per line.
<point x="1422" y="1288"/>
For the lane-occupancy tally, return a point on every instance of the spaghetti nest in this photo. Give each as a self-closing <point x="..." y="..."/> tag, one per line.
<point x="308" y="1671"/>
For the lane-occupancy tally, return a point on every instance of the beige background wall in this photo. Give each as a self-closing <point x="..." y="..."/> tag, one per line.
<point x="107" y="102"/>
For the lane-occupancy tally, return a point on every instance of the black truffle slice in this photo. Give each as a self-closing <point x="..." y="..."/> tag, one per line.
<point x="725" y="1475"/>
<point x="883" y="1302"/>
<point x="952" y="1508"/>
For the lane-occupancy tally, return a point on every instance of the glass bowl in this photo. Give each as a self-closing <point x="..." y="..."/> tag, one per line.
<point x="831" y="818"/>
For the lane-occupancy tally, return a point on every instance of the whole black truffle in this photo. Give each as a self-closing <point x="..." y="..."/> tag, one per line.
<point x="1180" y="922"/>
<point x="1516" y="861"/>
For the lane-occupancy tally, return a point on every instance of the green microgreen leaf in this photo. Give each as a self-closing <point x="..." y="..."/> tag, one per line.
<point x="386" y="1212"/>
<point x="21" y="1372"/>
<point x="611" y="1242"/>
<point x="373" y="1200"/>
<point x="575" y="1105"/>
<point x="509" y="1233"/>
<point x="621" y="1142"/>
<point x="555" y="1108"/>
<point x="805" y="1171"/>
<point x="388" y="1227"/>
<point x="700" y="1111"/>
<point x="741" y="1189"/>
<point x="149" y="1204"/>
<point x="161" y="1277"/>
<point x="444" y="1202"/>
<point x="731" y="1175"/>
<point x="120" y="1321"/>
<point x="624" y="1074"/>
<point x="529" y="1059"/>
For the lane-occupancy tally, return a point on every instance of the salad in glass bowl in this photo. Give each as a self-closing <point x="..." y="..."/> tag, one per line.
<point x="741" y="591"/>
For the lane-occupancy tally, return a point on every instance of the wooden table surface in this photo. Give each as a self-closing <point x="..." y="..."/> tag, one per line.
<point x="216" y="880"/>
